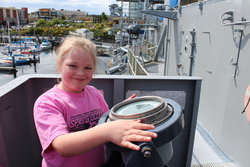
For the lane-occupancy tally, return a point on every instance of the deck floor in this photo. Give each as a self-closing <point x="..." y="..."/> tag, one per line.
<point x="206" y="153"/>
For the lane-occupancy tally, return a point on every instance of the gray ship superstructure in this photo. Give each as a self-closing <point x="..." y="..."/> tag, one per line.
<point x="208" y="39"/>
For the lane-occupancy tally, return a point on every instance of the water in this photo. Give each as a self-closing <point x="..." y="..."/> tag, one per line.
<point x="45" y="66"/>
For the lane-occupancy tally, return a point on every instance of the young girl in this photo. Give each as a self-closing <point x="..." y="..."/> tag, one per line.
<point x="66" y="116"/>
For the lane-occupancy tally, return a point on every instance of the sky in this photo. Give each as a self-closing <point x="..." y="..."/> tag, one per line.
<point x="89" y="6"/>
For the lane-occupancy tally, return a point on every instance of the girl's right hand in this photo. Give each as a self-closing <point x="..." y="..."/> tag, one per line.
<point x="124" y="132"/>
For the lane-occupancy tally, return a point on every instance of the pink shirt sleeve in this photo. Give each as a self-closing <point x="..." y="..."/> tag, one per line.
<point x="49" y="122"/>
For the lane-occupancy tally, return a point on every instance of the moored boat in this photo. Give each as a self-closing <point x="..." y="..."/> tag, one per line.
<point x="45" y="45"/>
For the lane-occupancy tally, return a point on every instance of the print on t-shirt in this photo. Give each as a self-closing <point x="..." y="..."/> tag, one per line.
<point x="85" y="120"/>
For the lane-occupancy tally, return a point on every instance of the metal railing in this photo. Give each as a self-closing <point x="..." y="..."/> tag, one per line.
<point x="134" y="66"/>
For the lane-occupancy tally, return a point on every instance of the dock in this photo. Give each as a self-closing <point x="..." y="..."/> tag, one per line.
<point x="6" y="69"/>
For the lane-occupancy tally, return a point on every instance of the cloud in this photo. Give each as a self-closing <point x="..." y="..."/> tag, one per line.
<point x="25" y="1"/>
<point x="90" y="6"/>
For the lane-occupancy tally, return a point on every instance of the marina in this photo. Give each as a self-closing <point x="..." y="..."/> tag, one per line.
<point x="46" y="65"/>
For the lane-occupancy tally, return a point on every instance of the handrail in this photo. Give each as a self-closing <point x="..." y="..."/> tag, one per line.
<point x="134" y="66"/>
<point x="237" y="23"/>
<point x="229" y="16"/>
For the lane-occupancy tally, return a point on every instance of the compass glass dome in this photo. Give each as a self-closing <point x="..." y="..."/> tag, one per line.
<point x="137" y="107"/>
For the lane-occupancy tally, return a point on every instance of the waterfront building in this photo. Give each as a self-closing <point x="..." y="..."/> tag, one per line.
<point x="48" y="13"/>
<point x="73" y="15"/>
<point x="13" y="15"/>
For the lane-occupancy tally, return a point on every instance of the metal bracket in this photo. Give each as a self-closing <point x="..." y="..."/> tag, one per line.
<point x="166" y="14"/>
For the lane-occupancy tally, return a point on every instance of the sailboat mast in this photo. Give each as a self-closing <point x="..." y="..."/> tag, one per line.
<point x="8" y="26"/>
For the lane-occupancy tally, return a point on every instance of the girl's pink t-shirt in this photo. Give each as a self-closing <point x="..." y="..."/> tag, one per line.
<point x="57" y="112"/>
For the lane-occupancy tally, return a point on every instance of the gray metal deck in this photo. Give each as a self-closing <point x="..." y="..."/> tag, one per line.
<point x="206" y="152"/>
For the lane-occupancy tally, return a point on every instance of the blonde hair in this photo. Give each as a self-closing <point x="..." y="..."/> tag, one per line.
<point x="70" y="42"/>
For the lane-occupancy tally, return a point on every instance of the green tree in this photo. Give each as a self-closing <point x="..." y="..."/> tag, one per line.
<point x="104" y="17"/>
<point x="40" y="23"/>
<point x="49" y="23"/>
<point x="62" y="21"/>
<point x="55" y="21"/>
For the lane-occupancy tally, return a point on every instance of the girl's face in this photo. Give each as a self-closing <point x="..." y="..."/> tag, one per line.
<point x="77" y="70"/>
